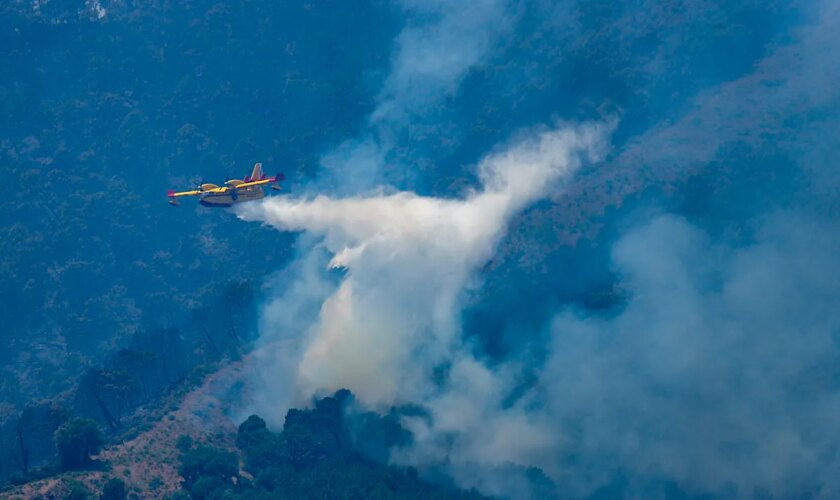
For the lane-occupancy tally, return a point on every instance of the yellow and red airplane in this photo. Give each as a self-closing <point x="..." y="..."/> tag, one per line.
<point x="234" y="190"/>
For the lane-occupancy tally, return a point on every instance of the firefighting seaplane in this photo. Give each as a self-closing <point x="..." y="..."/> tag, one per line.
<point x="234" y="190"/>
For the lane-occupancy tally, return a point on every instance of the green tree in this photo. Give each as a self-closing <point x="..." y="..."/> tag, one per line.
<point x="184" y="443"/>
<point x="78" y="492"/>
<point x="315" y="458"/>
<point x="209" y="488"/>
<point x="137" y="362"/>
<point x="76" y="440"/>
<point x="251" y="432"/>
<point x="35" y="428"/>
<point x="214" y="465"/>
<point x="114" y="490"/>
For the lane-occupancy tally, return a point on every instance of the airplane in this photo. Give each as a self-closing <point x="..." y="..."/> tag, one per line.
<point x="234" y="190"/>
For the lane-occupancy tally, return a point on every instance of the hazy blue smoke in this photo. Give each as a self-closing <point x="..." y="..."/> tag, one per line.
<point x="720" y="372"/>
<point x="717" y="370"/>
<point x="441" y="42"/>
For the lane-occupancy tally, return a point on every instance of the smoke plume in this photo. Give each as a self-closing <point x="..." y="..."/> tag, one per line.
<point x="715" y="373"/>
<point x="393" y="319"/>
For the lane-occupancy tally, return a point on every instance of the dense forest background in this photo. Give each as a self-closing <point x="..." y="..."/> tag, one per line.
<point x="111" y="295"/>
<point x="117" y="307"/>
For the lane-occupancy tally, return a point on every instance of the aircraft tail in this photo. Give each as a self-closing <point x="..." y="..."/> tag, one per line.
<point x="257" y="173"/>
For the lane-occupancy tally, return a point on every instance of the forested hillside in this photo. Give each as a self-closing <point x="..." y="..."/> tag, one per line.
<point x="555" y="249"/>
<point x="330" y="451"/>
<point x="110" y="295"/>
<point x="101" y="116"/>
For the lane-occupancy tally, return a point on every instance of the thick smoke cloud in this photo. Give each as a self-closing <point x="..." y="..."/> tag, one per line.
<point x="394" y="317"/>
<point x="720" y="372"/>
<point x="442" y="41"/>
<point x="719" y="375"/>
<point x="716" y="375"/>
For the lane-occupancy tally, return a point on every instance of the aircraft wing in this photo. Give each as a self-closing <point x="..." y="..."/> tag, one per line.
<point x="261" y="182"/>
<point x="173" y="194"/>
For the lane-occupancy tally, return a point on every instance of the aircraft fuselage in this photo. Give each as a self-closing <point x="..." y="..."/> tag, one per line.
<point x="230" y="197"/>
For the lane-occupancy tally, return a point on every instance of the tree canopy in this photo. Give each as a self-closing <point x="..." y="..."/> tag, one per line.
<point x="203" y="463"/>
<point x="114" y="489"/>
<point x="311" y="458"/>
<point x="76" y="440"/>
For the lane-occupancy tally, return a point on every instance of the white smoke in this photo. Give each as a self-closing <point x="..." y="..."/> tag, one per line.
<point x="720" y="371"/>
<point x="394" y="317"/>
<point x="717" y="375"/>
<point x="441" y="42"/>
